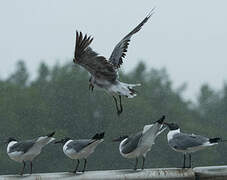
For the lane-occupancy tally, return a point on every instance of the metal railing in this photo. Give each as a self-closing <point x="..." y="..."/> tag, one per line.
<point x="198" y="173"/>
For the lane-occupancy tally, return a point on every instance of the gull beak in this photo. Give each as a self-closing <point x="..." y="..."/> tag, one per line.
<point x="117" y="139"/>
<point x="5" y="142"/>
<point x="56" y="142"/>
<point x="161" y="120"/>
<point x="165" y="123"/>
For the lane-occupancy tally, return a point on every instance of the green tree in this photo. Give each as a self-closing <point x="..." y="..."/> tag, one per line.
<point x="59" y="99"/>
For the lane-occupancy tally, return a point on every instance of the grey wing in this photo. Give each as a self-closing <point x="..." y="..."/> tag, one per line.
<point x="183" y="141"/>
<point x="120" y="49"/>
<point x="131" y="143"/>
<point x="78" y="145"/>
<point x="23" y="146"/>
<point x="96" y="65"/>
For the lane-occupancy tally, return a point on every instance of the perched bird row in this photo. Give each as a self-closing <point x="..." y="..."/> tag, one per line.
<point x="134" y="146"/>
<point x="104" y="75"/>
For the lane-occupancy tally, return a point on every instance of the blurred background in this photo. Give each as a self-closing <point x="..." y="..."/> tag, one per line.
<point x="179" y="56"/>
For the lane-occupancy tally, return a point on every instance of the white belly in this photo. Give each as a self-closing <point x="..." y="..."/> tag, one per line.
<point x="190" y="150"/>
<point x="28" y="156"/>
<point x="140" y="151"/>
<point x="84" y="153"/>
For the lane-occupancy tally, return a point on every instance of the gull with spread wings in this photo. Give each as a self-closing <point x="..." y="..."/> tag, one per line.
<point x="104" y="72"/>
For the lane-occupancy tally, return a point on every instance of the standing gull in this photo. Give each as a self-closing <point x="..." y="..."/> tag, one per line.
<point x="188" y="143"/>
<point x="140" y="143"/>
<point x="24" y="151"/>
<point x="80" y="149"/>
<point x="104" y="72"/>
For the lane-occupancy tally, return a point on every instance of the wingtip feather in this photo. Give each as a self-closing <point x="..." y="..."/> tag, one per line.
<point x="82" y="42"/>
<point x="50" y="134"/>
<point x="152" y="11"/>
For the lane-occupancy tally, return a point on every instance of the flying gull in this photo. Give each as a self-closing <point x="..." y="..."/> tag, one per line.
<point x="24" y="151"/>
<point x="80" y="149"/>
<point x="188" y="143"/>
<point x="104" y="71"/>
<point x="140" y="143"/>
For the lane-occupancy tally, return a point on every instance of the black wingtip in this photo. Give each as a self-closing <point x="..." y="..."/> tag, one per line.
<point x="215" y="140"/>
<point x="82" y="42"/>
<point x="151" y="12"/>
<point x="50" y="134"/>
<point x="99" y="136"/>
<point x="102" y="135"/>
<point x="161" y="120"/>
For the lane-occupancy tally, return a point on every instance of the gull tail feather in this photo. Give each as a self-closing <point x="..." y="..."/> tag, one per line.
<point x="127" y="89"/>
<point x="98" y="136"/>
<point x="50" y="134"/>
<point x="215" y="140"/>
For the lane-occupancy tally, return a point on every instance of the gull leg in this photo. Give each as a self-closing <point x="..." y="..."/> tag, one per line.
<point x="91" y="87"/>
<point x="78" y="162"/>
<point x="85" y="164"/>
<point x="22" y="171"/>
<point x="184" y="160"/>
<point x="135" y="168"/>
<point x="31" y="167"/>
<point x="143" y="163"/>
<point x="190" y="161"/>
<point x="115" y="100"/>
<point x="121" y="108"/>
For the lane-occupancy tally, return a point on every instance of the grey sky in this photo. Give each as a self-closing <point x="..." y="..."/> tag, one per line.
<point x="189" y="38"/>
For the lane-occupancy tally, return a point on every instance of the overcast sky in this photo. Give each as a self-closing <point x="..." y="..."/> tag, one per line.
<point x="189" y="38"/>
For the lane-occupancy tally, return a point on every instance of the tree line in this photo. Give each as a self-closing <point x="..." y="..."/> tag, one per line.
<point x="58" y="99"/>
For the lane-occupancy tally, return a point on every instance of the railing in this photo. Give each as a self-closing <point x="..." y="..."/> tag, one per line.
<point x="198" y="173"/>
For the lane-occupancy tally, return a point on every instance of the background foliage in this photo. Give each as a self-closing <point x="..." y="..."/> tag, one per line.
<point x="58" y="99"/>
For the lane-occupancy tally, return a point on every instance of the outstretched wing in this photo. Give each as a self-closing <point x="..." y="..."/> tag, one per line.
<point x="150" y="133"/>
<point x="97" y="65"/>
<point x="120" y="49"/>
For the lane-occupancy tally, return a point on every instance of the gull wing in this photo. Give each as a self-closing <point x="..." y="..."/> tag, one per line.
<point x="96" y="65"/>
<point x="131" y="143"/>
<point x="79" y="145"/>
<point x="184" y="141"/>
<point x="23" y="146"/>
<point x="150" y="132"/>
<point x="120" y="49"/>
